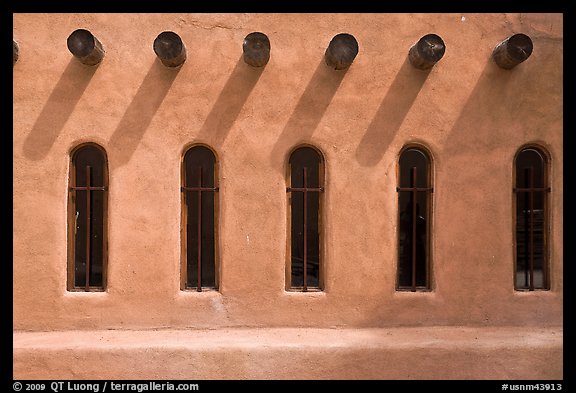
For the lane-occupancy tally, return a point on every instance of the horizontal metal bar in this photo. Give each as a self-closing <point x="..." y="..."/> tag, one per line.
<point x="518" y="189"/>
<point x="431" y="189"/>
<point x="88" y="188"/>
<point x="296" y="189"/>
<point x="182" y="188"/>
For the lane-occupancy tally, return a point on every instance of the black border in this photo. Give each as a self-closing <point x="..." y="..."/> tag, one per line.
<point x="309" y="6"/>
<point x="290" y="6"/>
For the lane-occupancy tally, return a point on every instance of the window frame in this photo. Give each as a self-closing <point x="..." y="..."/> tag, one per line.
<point x="429" y="287"/>
<point x="321" y="223"/>
<point x="71" y="221"/>
<point x="547" y="233"/>
<point x="184" y="223"/>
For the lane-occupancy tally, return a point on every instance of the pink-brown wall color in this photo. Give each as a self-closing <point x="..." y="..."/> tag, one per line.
<point x="471" y="115"/>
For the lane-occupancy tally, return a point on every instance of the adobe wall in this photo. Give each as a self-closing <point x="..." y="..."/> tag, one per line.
<point x="292" y="353"/>
<point x="472" y="115"/>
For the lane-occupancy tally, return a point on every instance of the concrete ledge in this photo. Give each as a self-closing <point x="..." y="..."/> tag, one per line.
<point x="292" y="353"/>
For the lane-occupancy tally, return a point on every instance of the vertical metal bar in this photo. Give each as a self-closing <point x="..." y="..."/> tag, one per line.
<point x="526" y="228"/>
<point x="531" y="171"/>
<point x="199" y="279"/>
<point x="545" y="283"/>
<point x="88" y="236"/>
<point x="305" y="287"/>
<point x="414" y="191"/>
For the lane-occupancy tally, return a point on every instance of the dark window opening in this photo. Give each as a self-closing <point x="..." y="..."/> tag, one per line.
<point x="199" y="193"/>
<point x="531" y="221"/>
<point x="305" y="193"/>
<point x="414" y="220"/>
<point x="87" y="193"/>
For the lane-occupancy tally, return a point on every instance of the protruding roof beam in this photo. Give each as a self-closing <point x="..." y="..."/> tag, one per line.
<point x="170" y="49"/>
<point x="256" y="49"/>
<point x="512" y="51"/>
<point x="341" y="51"/>
<point x="15" y="52"/>
<point x="427" y="51"/>
<point x="85" y="47"/>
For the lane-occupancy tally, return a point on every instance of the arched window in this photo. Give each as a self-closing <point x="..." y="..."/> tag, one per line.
<point x="306" y="174"/>
<point x="199" y="201"/>
<point x="414" y="208"/>
<point x="531" y="197"/>
<point x="87" y="219"/>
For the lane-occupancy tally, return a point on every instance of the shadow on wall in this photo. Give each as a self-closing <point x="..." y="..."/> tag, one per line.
<point x="140" y="112"/>
<point x="309" y="110"/>
<point x="230" y="102"/>
<point x="391" y="113"/>
<point x="494" y="104"/>
<point x="58" y="108"/>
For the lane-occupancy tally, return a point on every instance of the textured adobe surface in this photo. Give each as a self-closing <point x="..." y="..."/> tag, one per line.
<point x="291" y="353"/>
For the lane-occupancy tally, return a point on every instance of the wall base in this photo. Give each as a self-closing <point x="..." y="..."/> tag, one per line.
<point x="292" y="353"/>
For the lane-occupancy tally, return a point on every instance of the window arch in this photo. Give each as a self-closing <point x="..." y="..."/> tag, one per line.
<point x="199" y="205"/>
<point x="414" y="212"/>
<point x="306" y="186"/>
<point x="531" y="191"/>
<point x="87" y="218"/>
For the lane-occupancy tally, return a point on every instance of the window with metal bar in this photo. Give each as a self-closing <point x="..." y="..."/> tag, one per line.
<point x="87" y="219"/>
<point x="531" y="237"/>
<point x="199" y="203"/>
<point x="414" y="208"/>
<point x="306" y="176"/>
